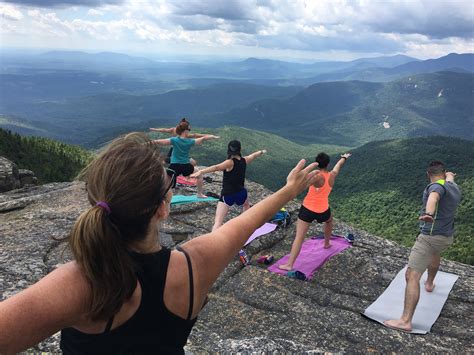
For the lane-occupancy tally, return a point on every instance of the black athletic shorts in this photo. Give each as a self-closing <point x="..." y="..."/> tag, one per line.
<point x="309" y="216"/>
<point x="181" y="169"/>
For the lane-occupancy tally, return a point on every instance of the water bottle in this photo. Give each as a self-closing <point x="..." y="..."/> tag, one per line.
<point x="244" y="258"/>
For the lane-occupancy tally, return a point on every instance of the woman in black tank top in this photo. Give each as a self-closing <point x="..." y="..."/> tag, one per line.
<point x="233" y="180"/>
<point x="124" y="293"/>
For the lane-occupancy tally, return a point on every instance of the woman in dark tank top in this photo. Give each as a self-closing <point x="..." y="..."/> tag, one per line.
<point x="233" y="180"/>
<point x="124" y="293"/>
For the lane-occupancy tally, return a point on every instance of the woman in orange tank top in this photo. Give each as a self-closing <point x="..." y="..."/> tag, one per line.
<point x="316" y="206"/>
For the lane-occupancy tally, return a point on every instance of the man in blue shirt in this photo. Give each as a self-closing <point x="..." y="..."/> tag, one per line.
<point x="440" y="200"/>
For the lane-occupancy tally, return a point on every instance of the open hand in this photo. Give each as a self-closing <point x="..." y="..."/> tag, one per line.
<point x="197" y="174"/>
<point x="346" y="155"/>
<point x="426" y="218"/>
<point x="300" y="177"/>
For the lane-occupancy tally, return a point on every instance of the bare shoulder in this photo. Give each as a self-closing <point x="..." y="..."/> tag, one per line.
<point x="319" y="180"/>
<point x="228" y="164"/>
<point x="69" y="282"/>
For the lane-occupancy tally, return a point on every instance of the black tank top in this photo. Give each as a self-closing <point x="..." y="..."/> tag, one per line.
<point x="234" y="180"/>
<point x="152" y="329"/>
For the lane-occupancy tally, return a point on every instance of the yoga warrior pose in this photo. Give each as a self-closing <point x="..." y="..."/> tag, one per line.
<point x="440" y="200"/>
<point x="316" y="206"/>
<point x="233" y="189"/>
<point x="124" y="293"/>
<point x="172" y="131"/>
<point x="180" y="162"/>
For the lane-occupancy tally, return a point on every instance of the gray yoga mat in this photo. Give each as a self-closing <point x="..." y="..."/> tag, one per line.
<point x="389" y="305"/>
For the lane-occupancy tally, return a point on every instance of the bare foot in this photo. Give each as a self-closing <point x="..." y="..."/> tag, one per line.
<point x="327" y="246"/>
<point x="429" y="287"/>
<point x="398" y="324"/>
<point x="201" y="196"/>
<point x="286" y="267"/>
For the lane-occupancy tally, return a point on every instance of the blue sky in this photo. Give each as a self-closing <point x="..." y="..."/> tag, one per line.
<point x="279" y="29"/>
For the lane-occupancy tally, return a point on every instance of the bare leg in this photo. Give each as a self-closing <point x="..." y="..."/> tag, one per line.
<point x="432" y="271"/>
<point x="301" y="230"/>
<point x="192" y="162"/>
<point x="200" y="185"/>
<point x="221" y="212"/>
<point x="327" y="233"/>
<point x="246" y="205"/>
<point x="412" y="295"/>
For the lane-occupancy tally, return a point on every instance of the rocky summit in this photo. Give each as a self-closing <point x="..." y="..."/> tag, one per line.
<point x="249" y="308"/>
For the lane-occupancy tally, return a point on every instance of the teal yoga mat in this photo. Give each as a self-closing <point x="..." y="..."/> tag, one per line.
<point x="182" y="199"/>
<point x="389" y="305"/>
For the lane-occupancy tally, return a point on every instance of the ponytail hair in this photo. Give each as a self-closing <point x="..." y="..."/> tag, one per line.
<point x="130" y="178"/>
<point x="182" y="126"/>
<point x="233" y="148"/>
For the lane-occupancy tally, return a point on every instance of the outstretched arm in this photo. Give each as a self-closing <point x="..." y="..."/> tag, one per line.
<point x="170" y="130"/>
<point x="340" y="163"/>
<point x="430" y="210"/>
<point x="212" y="252"/>
<point x="205" y="138"/>
<point x="251" y="157"/>
<point x="162" y="141"/>
<point x="57" y="301"/>
<point x="218" y="167"/>
<point x="196" y="135"/>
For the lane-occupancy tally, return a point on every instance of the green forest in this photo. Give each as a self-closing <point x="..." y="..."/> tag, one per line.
<point x="378" y="190"/>
<point x="50" y="160"/>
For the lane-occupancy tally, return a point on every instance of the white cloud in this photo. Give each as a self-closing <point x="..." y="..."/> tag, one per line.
<point x="322" y="26"/>
<point x="10" y="12"/>
<point x="94" y="12"/>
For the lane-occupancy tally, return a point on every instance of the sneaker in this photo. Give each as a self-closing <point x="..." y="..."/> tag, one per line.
<point x="295" y="274"/>
<point x="349" y="237"/>
<point x="265" y="259"/>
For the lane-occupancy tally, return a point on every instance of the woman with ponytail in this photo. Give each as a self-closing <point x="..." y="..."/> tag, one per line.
<point x="180" y="161"/>
<point x="172" y="131"/>
<point x="233" y="181"/>
<point x="124" y="292"/>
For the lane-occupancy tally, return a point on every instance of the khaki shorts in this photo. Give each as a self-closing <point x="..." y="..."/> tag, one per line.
<point x="426" y="246"/>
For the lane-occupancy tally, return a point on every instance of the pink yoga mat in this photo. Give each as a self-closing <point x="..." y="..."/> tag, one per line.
<point x="265" y="229"/>
<point x="186" y="181"/>
<point x="312" y="256"/>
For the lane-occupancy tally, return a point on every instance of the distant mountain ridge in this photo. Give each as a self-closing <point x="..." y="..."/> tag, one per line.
<point x="344" y="113"/>
<point x="352" y="113"/>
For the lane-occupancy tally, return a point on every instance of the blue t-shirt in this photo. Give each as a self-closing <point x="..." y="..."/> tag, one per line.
<point x="450" y="196"/>
<point x="181" y="147"/>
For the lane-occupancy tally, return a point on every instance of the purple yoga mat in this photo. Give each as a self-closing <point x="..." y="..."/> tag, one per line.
<point x="312" y="256"/>
<point x="265" y="229"/>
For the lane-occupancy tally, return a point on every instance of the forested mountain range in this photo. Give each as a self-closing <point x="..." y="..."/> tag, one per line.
<point x="381" y="186"/>
<point x="353" y="113"/>
<point x="347" y="113"/>
<point x="379" y="189"/>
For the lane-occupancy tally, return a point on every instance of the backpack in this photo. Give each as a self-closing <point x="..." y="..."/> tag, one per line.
<point x="282" y="218"/>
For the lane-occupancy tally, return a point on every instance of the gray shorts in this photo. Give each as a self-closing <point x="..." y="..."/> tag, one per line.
<point x="425" y="247"/>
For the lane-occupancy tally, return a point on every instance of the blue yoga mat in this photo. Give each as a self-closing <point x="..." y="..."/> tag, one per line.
<point x="182" y="199"/>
